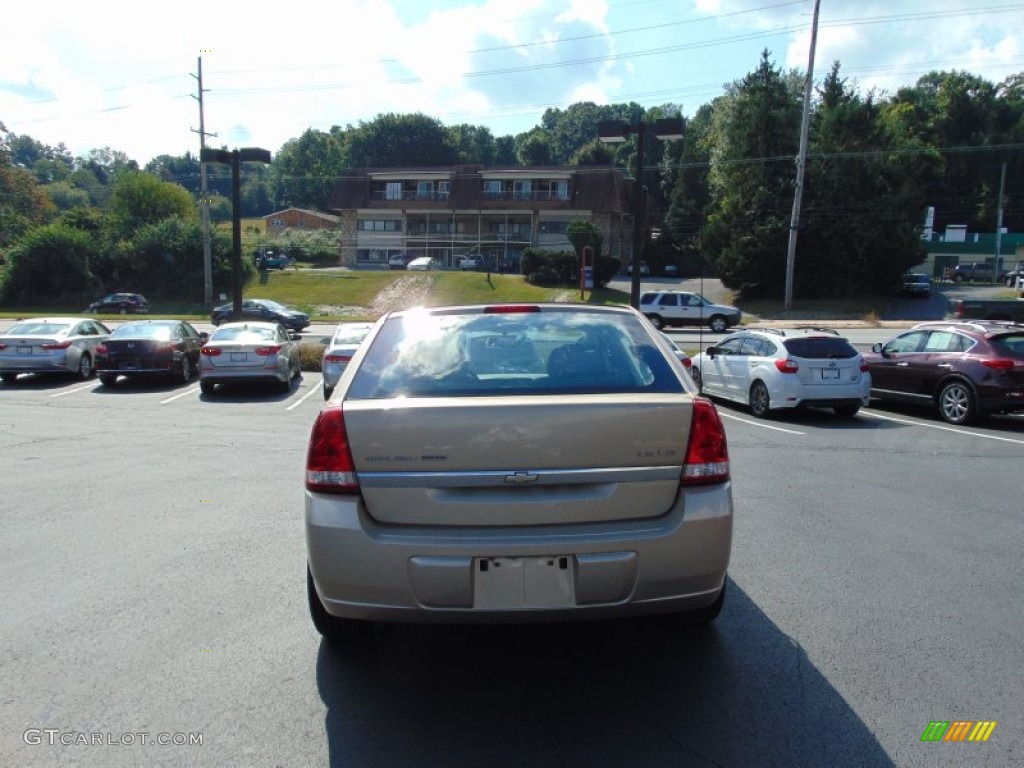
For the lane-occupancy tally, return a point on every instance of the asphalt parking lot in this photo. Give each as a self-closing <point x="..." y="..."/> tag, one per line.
<point x="153" y="573"/>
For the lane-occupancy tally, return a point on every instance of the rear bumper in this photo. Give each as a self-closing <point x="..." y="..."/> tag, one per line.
<point x="38" y="364"/>
<point x="824" y="396"/>
<point x="241" y="375"/>
<point x="365" y="570"/>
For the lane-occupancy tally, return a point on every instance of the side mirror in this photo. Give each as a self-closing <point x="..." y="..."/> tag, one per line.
<point x="293" y="336"/>
<point x="711" y="352"/>
<point x="204" y="336"/>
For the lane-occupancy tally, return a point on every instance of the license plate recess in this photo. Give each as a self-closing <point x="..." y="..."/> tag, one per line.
<point x="510" y="583"/>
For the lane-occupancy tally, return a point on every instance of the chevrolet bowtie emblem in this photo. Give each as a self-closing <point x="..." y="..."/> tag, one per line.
<point x="521" y="478"/>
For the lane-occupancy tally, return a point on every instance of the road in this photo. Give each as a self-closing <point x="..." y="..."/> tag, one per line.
<point x="153" y="579"/>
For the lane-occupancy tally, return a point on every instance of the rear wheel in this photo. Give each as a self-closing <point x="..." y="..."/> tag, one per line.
<point x="207" y="386"/>
<point x="656" y="321"/>
<point x="8" y="378"/>
<point x="84" y="367"/>
<point x="956" y="403"/>
<point x="185" y="374"/>
<point x="335" y="629"/>
<point x="718" y="324"/>
<point x="760" y="401"/>
<point x="695" y="375"/>
<point x="122" y="311"/>
<point x="846" y="411"/>
<point x="108" y="379"/>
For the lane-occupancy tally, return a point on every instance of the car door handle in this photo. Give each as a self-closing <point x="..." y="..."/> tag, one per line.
<point x="945" y="366"/>
<point x="902" y="365"/>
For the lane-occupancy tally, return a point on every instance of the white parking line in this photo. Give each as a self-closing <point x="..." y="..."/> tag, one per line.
<point x="312" y="391"/>
<point x="180" y="395"/>
<point x="954" y="430"/>
<point x="760" y="424"/>
<point x="72" y="391"/>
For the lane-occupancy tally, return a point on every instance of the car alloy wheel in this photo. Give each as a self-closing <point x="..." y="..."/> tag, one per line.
<point x="956" y="403"/>
<point x="84" y="366"/>
<point x="759" y="400"/>
<point x="695" y="375"/>
<point x="656" y="321"/>
<point x="718" y="324"/>
<point x="186" y="370"/>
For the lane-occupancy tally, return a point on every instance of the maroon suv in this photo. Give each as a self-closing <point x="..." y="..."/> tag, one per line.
<point x="965" y="369"/>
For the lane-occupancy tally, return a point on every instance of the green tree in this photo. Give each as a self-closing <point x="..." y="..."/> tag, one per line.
<point x="582" y="234"/>
<point x="594" y="152"/>
<point x="50" y="265"/>
<point x="472" y="144"/>
<point x="392" y="140"/>
<point x="23" y="203"/>
<point x="755" y="131"/>
<point x="140" y="198"/>
<point x="305" y="170"/>
<point x="534" y="148"/>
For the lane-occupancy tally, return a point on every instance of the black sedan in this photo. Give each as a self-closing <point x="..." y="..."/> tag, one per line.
<point x="261" y="309"/>
<point x="147" y="348"/>
<point x="121" y="303"/>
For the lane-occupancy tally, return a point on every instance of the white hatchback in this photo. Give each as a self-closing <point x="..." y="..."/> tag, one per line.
<point x="770" y="369"/>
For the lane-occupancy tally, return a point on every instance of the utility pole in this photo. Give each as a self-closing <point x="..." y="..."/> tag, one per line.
<point x="999" y="224"/>
<point x="204" y="197"/>
<point x="801" y="161"/>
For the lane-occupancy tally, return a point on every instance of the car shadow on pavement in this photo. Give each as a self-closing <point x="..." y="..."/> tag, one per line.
<point x="616" y="693"/>
<point x="248" y="392"/>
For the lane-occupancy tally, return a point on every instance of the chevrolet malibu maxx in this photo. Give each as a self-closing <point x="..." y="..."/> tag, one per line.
<point x="515" y="464"/>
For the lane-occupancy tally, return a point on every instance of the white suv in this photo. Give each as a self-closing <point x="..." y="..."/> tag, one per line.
<point x="768" y="369"/>
<point x="664" y="308"/>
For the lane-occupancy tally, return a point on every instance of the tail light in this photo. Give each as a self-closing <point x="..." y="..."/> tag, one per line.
<point x="864" y="367"/>
<point x="329" y="466"/>
<point x="102" y="349"/>
<point x="3" y="347"/>
<point x="338" y="359"/>
<point x="510" y="309"/>
<point x="210" y="351"/>
<point x="56" y="345"/>
<point x="687" y="363"/>
<point x="707" y="455"/>
<point x="958" y="308"/>
<point x="268" y="351"/>
<point x="787" y="366"/>
<point x="1000" y="363"/>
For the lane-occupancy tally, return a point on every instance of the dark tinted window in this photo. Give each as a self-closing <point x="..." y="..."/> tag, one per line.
<point x="820" y="347"/>
<point x="1012" y="344"/>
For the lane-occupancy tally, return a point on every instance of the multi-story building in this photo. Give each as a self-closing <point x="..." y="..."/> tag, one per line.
<point x="493" y="214"/>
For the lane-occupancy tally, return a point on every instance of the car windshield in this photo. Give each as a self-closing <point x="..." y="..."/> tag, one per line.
<point x="269" y="304"/>
<point x="244" y="334"/>
<point x="445" y="354"/>
<point x="142" y="331"/>
<point x="916" y="278"/>
<point x="820" y="347"/>
<point x="37" y="329"/>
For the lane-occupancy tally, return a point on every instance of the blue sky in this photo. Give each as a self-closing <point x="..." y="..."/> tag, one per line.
<point x="122" y="75"/>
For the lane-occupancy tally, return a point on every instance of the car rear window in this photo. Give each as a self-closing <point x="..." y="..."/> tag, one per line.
<point x="1011" y="344"/>
<point x="819" y="347"/>
<point x="244" y="334"/>
<point x="533" y="353"/>
<point x="37" y="329"/>
<point x="140" y="331"/>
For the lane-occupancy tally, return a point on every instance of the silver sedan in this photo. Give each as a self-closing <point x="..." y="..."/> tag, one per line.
<point x="344" y="343"/>
<point x="50" y="345"/>
<point x="249" y="351"/>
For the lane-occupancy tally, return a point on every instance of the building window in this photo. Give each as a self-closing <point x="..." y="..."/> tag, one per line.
<point x="379" y="225"/>
<point x="393" y="190"/>
<point x="553" y="227"/>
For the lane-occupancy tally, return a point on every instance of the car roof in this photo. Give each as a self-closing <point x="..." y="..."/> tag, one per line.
<point x="794" y="332"/>
<point x="983" y="327"/>
<point x="249" y="324"/>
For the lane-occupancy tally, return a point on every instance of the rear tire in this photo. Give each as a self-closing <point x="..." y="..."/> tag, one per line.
<point x="108" y="379"/>
<point x="85" y="367"/>
<point x="718" y="324"/>
<point x="956" y="403"/>
<point x="122" y="311"/>
<point x="695" y="375"/>
<point x="846" y="411"/>
<point x="656" y="321"/>
<point x="342" y="632"/>
<point x="760" y="400"/>
<point x="8" y="378"/>
<point x="185" y="374"/>
<point x="207" y="386"/>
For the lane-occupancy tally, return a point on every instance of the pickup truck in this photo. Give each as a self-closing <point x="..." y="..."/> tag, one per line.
<point x="988" y="309"/>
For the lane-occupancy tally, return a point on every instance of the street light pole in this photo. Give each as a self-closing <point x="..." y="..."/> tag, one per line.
<point x="235" y="158"/>
<point x="615" y="132"/>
